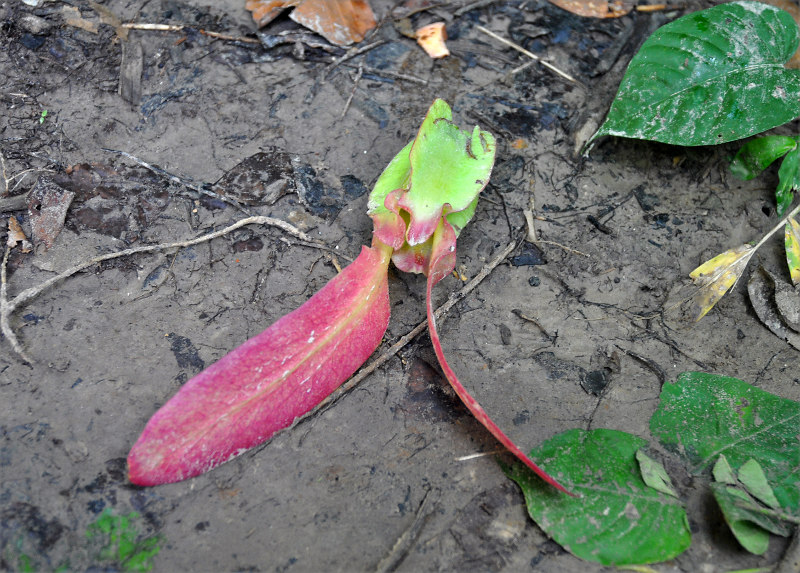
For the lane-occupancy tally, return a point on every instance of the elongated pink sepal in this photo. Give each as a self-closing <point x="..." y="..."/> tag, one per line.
<point x="266" y="383"/>
<point x="441" y="264"/>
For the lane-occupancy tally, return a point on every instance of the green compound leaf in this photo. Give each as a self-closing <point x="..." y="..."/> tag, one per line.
<point x="709" y="77"/>
<point x="758" y="154"/>
<point x="703" y="415"/>
<point x="618" y="519"/>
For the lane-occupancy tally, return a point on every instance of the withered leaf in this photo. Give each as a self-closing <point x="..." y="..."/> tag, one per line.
<point x="16" y="236"/>
<point x="595" y="8"/>
<point x="341" y="22"/>
<point x="431" y="38"/>
<point x="260" y="179"/>
<point x="792" y="242"/>
<point x="716" y="276"/>
<point x="47" y="208"/>
<point x="761" y="289"/>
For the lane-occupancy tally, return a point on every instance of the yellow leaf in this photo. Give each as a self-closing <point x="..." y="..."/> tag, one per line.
<point x="715" y="277"/>
<point x="793" y="249"/>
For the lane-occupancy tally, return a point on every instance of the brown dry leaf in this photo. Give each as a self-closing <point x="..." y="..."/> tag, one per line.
<point x="265" y="11"/>
<point x="47" y="208"/>
<point x="431" y="38"/>
<point x="595" y="8"/>
<point x="341" y="22"/>
<point x="16" y="236"/>
<point x="72" y="17"/>
<point x="715" y="277"/>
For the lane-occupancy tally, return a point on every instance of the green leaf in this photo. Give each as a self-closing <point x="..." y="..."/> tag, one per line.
<point x="703" y="415"/>
<point x="749" y="534"/>
<point x="654" y="474"/>
<point x="788" y="180"/>
<point x="758" y="154"/>
<point x="121" y="543"/>
<point x="618" y="519"/>
<point x="753" y="478"/>
<point x="723" y="472"/>
<point x="709" y="77"/>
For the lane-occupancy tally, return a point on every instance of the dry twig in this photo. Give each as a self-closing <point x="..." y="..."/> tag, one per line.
<point x="7" y="306"/>
<point x="531" y="55"/>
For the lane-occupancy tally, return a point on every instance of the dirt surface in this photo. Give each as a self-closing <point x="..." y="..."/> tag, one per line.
<point x="111" y="344"/>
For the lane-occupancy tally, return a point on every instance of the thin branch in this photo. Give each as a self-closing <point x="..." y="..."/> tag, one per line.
<point x="531" y="55"/>
<point x="8" y="306"/>
<point x="352" y="92"/>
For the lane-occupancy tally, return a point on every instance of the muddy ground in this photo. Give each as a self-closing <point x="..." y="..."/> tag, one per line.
<point x="111" y="344"/>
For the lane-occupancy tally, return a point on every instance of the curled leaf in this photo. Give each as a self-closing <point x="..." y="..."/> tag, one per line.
<point x="715" y="277"/>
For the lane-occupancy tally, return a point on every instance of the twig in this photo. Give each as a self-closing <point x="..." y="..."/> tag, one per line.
<point x="6" y="309"/>
<point x="403" y="545"/>
<point x="531" y="236"/>
<point x="183" y="27"/>
<point x="180" y="181"/>
<point x="352" y="92"/>
<point x="8" y="306"/>
<point x="531" y="55"/>
<point x="350" y="55"/>
<point x="389" y="74"/>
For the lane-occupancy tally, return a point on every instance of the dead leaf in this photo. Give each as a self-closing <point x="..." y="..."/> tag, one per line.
<point x="761" y="289"/>
<point x="341" y="22"/>
<point x="72" y="17"/>
<point x="431" y="38"/>
<point x="792" y="245"/>
<point x="787" y="301"/>
<point x="47" y="208"/>
<point x="715" y="277"/>
<point x="595" y="8"/>
<point x="16" y="236"/>
<point x="261" y="179"/>
<point x="265" y="11"/>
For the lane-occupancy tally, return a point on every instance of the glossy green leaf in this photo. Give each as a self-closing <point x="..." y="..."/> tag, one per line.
<point x="703" y="415"/>
<point x="758" y="154"/>
<point x="788" y="180"/>
<point x="709" y="77"/>
<point x="618" y="519"/>
<point x="792" y="246"/>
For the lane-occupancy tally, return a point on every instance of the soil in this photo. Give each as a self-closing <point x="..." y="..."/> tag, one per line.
<point x="384" y="479"/>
